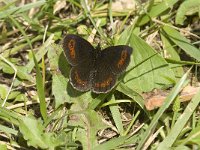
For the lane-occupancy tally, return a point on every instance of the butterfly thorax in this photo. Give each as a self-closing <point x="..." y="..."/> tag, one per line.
<point x="96" y="56"/>
<point x="97" y="52"/>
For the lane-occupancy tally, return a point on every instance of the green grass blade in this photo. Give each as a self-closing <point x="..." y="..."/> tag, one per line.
<point x="42" y="51"/>
<point x="112" y="144"/>
<point x="172" y="95"/>
<point x="20" y="9"/>
<point x="114" y="109"/>
<point x="132" y="94"/>
<point x="156" y="11"/>
<point x="180" y="123"/>
<point x="40" y="90"/>
<point x="21" y="30"/>
<point x="8" y="130"/>
<point x="182" y="42"/>
<point x="172" y="51"/>
<point x="97" y="101"/>
<point x="188" y="7"/>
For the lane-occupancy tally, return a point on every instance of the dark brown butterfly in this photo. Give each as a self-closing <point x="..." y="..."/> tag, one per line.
<point x="93" y="69"/>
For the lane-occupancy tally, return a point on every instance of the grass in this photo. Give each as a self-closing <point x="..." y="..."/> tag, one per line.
<point x="41" y="110"/>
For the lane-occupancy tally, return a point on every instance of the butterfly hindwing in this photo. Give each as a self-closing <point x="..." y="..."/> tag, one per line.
<point x="77" y="49"/>
<point x="111" y="62"/>
<point x="103" y="80"/>
<point x="80" y="76"/>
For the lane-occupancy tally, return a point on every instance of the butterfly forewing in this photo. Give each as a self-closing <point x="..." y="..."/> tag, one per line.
<point x="118" y="57"/>
<point x="77" y="49"/>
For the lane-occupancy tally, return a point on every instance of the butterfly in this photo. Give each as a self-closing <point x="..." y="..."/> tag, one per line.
<point x="94" y="69"/>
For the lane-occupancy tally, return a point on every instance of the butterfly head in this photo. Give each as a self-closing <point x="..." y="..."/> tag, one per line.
<point x="98" y="48"/>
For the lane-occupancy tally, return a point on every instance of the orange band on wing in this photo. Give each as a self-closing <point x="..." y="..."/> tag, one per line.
<point x="105" y="83"/>
<point x="78" y="79"/>
<point x="122" y="59"/>
<point x="71" y="46"/>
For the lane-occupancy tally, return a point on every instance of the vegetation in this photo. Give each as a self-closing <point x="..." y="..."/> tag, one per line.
<point x="146" y="109"/>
